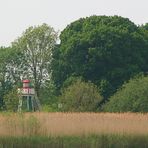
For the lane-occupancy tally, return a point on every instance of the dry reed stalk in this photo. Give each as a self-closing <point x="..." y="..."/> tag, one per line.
<point x="57" y="124"/>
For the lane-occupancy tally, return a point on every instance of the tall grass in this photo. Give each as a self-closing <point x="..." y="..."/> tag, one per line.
<point x="92" y="141"/>
<point x="72" y="124"/>
<point x="73" y="130"/>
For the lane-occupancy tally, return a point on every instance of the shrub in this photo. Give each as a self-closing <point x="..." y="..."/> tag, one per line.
<point x="80" y="97"/>
<point x="11" y="100"/>
<point x="133" y="97"/>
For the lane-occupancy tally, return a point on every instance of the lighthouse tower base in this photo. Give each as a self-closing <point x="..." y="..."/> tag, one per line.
<point x="26" y="103"/>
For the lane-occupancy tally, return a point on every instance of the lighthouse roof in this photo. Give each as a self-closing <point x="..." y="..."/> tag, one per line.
<point x="26" y="81"/>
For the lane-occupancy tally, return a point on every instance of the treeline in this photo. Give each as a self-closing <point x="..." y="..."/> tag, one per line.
<point x="101" y="64"/>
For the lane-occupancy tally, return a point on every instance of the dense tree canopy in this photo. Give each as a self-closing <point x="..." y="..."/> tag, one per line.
<point x="104" y="50"/>
<point x="95" y="56"/>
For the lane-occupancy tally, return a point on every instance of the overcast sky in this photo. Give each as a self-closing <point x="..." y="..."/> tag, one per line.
<point x="18" y="15"/>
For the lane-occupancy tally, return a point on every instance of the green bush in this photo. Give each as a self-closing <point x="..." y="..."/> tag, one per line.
<point x="132" y="97"/>
<point x="11" y="100"/>
<point x="80" y="97"/>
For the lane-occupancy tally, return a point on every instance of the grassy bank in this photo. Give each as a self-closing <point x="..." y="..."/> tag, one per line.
<point x="93" y="141"/>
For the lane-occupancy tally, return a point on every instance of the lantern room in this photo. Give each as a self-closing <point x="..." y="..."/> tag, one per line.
<point x="26" y="83"/>
<point x="26" y="89"/>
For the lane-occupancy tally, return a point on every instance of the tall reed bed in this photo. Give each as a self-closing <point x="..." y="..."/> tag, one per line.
<point x="72" y="124"/>
<point x="73" y="130"/>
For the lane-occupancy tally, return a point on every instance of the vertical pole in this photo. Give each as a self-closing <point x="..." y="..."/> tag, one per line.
<point x="20" y="104"/>
<point x="37" y="102"/>
<point x="28" y="108"/>
<point x="32" y="103"/>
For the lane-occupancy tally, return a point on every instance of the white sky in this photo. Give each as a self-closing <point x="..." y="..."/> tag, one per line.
<point x="18" y="15"/>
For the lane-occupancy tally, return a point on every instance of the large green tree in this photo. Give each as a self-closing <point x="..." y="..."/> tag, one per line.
<point x="10" y="66"/>
<point x="36" y="45"/>
<point x="105" y="50"/>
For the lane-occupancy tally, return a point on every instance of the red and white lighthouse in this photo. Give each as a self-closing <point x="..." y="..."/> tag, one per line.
<point x="27" y="97"/>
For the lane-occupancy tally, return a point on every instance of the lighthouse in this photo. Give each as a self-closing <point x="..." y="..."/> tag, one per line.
<point x="27" y="97"/>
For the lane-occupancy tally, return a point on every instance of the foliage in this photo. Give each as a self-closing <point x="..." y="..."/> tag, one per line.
<point x="80" y="97"/>
<point x="10" y="60"/>
<point x="49" y="97"/>
<point x="53" y="107"/>
<point x="104" y="50"/>
<point x="133" y="97"/>
<point x="71" y="80"/>
<point x="37" y="44"/>
<point x="11" y="100"/>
